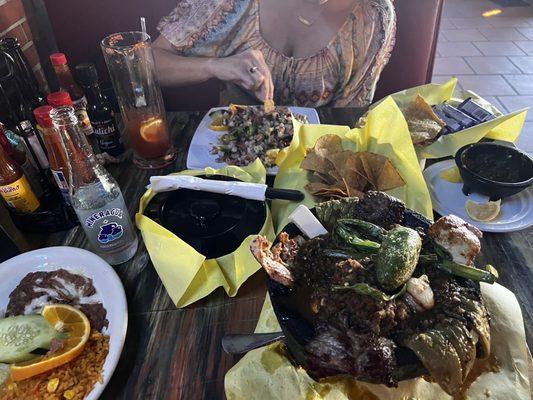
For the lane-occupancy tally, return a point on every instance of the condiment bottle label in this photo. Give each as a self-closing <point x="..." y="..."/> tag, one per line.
<point x="62" y="184"/>
<point x="80" y="107"/>
<point x="20" y="196"/>
<point x="108" y="137"/>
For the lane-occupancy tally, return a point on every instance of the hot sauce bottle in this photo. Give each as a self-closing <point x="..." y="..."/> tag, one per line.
<point x="56" y="153"/>
<point x="67" y="84"/>
<point x="14" y="186"/>
<point x="62" y="99"/>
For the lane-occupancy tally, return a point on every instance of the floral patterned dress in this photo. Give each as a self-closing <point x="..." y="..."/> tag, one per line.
<point x="342" y="74"/>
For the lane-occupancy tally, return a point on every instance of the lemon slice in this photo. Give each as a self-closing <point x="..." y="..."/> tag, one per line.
<point x="217" y="127"/>
<point x="451" y="175"/>
<point x="483" y="211"/>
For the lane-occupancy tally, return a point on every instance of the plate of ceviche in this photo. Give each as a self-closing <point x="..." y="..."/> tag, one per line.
<point x="63" y="322"/>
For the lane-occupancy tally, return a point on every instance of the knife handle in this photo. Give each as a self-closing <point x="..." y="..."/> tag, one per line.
<point x="284" y="194"/>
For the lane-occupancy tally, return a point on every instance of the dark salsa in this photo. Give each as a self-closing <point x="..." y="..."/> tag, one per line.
<point x="502" y="166"/>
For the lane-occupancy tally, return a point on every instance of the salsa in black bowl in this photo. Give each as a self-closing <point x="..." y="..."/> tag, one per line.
<point x="494" y="170"/>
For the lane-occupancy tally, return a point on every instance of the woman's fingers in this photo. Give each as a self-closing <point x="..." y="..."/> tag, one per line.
<point x="267" y="89"/>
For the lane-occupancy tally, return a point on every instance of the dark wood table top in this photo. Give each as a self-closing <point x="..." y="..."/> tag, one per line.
<point x="175" y="353"/>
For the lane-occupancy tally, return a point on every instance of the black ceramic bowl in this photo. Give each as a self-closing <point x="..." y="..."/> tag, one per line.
<point x="213" y="224"/>
<point x="293" y="311"/>
<point x="494" y="170"/>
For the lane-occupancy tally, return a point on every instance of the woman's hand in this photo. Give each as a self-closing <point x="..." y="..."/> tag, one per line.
<point x="248" y="70"/>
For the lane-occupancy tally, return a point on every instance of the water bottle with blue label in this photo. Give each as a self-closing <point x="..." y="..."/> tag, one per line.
<point x="94" y="194"/>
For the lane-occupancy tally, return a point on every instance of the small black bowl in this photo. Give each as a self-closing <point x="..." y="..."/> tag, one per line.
<point x="513" y="169"/>
<point x="213" y="224"/>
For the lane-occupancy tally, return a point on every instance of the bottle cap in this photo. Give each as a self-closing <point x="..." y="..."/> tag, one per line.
<point x="58" y="59"/>
<point x="58" y="99"/>
<point x="9" y="43"/>
<point x="86" y="74"/>
<point x="42" y="115"/>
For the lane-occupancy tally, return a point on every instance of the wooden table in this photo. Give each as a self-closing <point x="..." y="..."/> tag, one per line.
<point x="175" y="353"/>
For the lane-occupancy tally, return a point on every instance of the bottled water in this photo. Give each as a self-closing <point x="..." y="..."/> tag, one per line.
<point x="104" y="217"/>
<point x="94" y="194"/>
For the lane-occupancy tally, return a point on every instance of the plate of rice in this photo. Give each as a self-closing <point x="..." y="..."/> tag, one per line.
<point x="68" y="277"/>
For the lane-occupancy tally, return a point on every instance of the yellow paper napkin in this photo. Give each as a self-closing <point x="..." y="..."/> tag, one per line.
<point x="504" y="127"/>
<point x="385" y="132"/>
<point x="267" y="374"/>
<point x="186" y="274"/>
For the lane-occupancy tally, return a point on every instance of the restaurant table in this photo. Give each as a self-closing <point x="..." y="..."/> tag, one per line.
<point x="173" y="353"/>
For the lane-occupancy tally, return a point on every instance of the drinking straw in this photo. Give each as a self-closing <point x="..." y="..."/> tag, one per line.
<point x="143" y="24"/>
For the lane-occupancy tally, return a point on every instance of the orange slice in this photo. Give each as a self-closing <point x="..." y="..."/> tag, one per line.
<point x="68" y="320"/>
<point x="151" y="129"/>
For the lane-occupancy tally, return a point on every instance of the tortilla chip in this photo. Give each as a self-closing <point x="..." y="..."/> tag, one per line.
<point x="328" y="145"/>
<point x="269" y="106"/>
<point x="344" y="173"/>
<point x="381" y="172"/>
<point x="314" y="162"/>
<point x="424" y="125"/>
<point x="355" y="174"/>
<point x="327" y="178"/>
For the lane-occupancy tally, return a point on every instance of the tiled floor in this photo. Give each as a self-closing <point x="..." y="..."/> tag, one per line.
<point x="491" y="56"/>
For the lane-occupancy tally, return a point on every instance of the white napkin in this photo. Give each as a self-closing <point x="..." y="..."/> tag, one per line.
<point x="246" y="190"/>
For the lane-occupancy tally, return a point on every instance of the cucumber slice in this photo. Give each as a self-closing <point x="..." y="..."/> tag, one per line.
<point x="22" y="334"/>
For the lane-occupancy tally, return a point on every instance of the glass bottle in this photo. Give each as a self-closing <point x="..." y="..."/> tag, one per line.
<point x="19" y="156"/>
<point x="59" y="99"/>
<point x="94" y="194"/>
<point x="14" y="186"/>
<point x="27" y="81"/>
<point x="100" y="111"/>
<point x="56" y="154"/>
<point x="69" y="85"/>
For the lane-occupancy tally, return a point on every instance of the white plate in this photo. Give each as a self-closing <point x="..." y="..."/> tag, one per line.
<point x="82" y="262"/>
<point x="516" y="211"/>
<point x="200" y="157"/>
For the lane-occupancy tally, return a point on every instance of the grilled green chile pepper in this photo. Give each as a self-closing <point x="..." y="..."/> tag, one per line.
<point x="397" y="258"/>
<point x="347" y="239"/>
<point x="364" y="229"/>
<point x="367" y="290"/>
<point x="488" y="275"/>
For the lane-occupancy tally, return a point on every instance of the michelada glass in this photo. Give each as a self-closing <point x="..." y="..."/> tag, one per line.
<point x="130" y="62"/>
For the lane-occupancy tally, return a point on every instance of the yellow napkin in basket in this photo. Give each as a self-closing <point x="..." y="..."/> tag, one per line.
<point x="504" y="127"/>
<point x="185" y="273"/>
<point x="385" y="132"/>
<point x="267" y="374"/>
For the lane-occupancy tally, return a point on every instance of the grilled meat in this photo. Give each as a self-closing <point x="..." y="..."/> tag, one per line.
<point x="436" y="323"/>
<point x="271" y="261"/>
<point x="380" y="209"/>
<point x="458" y="237"/>
<point x="367" y="356"/>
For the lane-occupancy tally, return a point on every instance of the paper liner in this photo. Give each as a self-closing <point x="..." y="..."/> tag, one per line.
<point x="185" y="273"/>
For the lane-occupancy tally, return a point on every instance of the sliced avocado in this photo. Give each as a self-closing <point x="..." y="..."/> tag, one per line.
<point x="22" y="334"/>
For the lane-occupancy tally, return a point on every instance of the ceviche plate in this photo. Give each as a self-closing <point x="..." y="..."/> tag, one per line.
<point x="109" y="291"/>
<point x="199" y="155"/>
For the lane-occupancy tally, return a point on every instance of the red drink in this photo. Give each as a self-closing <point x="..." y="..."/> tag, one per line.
<point x="149" y="134"/>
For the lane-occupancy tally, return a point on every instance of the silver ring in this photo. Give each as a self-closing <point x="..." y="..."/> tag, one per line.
<point x="253" y="69"/>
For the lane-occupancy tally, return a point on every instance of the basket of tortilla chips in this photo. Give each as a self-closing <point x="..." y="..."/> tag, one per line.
<point x="440" y="125"/>
<point x="331" y="161"/>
